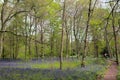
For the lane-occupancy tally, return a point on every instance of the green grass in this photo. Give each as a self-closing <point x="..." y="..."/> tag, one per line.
<point x="56" y="64"/>
<point x="118" y="75"/>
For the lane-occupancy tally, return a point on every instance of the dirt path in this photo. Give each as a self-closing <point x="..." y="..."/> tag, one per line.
<point x="111" y="73"/>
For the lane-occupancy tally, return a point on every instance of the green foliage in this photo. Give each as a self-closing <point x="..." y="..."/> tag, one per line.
<point x="53" y="8"/>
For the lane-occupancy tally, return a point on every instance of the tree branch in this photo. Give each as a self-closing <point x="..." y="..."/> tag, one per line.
<point x="10" y="17"/>
<point x="21" y="36"/>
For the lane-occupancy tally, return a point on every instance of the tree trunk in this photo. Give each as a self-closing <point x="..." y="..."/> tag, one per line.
<point x="26" y="35"/>
<point x="1" y="44"/>
<point x="29" y="41"/>
<point x="52" y="44"/>
<point x="62" y="36"/>
<point x="95" y="46"/>
<point x="106" y="38"/>
<point x="77" y="47"/>
<point x="86" y="33"/>
<point x="41" y="40"/>
<point x="3" y="49"/>
<point x="13" y="54"/>
<point x="115" y="37"/>
<point x="67" y="45"/>
<point x="36" y="46"/>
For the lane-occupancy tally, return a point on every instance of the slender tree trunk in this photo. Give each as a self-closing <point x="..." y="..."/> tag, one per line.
<point x="1" y="44"/>
<point x="29" y="47"/>
<point x="52" y="43"/>
<point x="13" y="54"/>
<point x="86" y="33"/>
<point x="41" y="39"/>
<point x="62" y="36"/>
<point x="25" y="36"/>
<point x="29" y="41"/>
<point x="77" y="47"/>
<point x="36" y="46"/>
<point x="51" y="47"/>
<point x="106" y="38"/>
<point x="17" y="47"/>
<point x="67" y="38"/>
<point x="71" y="38"/>
<point x="115" y="38"/>
<point x="67" y="45"/>
<point x="2" y="26"/>
<point x="95" y="46"/>
<point x="10" y="45"/>
<point x="71" y="45"/>
<point x="3" y="49"/>
<point x="75" y="31"/>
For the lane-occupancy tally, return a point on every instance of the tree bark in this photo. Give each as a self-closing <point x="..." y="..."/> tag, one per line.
<point x="41" y="39"/>
<point x="115" y="38"/>
<point x="52" y="43"/>
<point x="106" y="38"/>
<point x="86" y="33"/>
<point x="26" y="36"/>
<point x="36" y="46"/>
<point x="95" y="46"/>
<point x="29" y="40"/>
<point x="62" y="36"/>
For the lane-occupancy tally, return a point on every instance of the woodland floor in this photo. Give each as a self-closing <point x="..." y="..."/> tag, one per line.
<point x="111" y="72"/>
